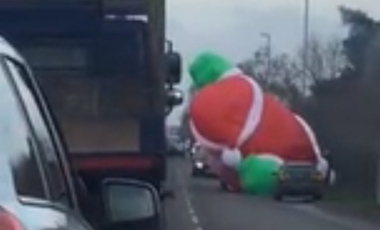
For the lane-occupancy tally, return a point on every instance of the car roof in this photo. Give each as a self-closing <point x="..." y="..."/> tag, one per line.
<point x="6" y="177"/>
<point x="8" y="50"/>
<point x="299" y="163"/>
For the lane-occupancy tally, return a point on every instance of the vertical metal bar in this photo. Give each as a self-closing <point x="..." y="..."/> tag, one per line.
<point x="268" y="38"/>
<point x="306" y="45"/>
<point x="269" y="55"/>
<point x="378" y="182"/>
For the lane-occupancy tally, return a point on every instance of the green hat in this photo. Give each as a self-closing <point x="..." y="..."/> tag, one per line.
<point x="207" y="68"/>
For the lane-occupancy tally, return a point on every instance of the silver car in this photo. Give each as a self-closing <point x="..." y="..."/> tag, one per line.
<point x="36" y="191"/>
<point x="299" y="179"/>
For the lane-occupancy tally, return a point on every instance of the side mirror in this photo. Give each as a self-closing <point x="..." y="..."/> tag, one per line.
<point x="130" y="204"/>
<point x="174" y="67"/>
<point x="174" y="97"/>
<point x="173" y="64"/>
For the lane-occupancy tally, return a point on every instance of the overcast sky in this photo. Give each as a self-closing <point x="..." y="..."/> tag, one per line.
<point x="233" y="27"/>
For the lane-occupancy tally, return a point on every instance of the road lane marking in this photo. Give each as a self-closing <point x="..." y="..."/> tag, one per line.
<point x="191" y="210"/>
<point x="195" y="220"/>
<point x="188" y="201"/>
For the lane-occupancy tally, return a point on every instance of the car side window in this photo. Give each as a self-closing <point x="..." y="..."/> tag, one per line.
<point x="16" y="140"/>
<point x="49" y="153"/>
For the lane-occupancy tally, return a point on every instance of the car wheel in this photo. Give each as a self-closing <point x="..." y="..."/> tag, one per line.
<point x="317" y="197"/>
<point x="278" y="197"/>
<point x="223" y="186"/>
<point x="195" y="173"/>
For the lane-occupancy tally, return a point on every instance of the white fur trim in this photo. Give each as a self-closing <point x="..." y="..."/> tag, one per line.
<point x="253" y="117"/>
<point x="322" y="164"/>
<point x="255" y="112"/>
<point x="332" y="177"/>
<point x="323" y="167"/>
<point x="311" y="136"/>
<point x="232" y="72"/>
<point x="203" y="141"/>
<point x="231" y="158"/>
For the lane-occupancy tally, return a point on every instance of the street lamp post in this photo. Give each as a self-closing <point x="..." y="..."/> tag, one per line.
<point x="268" y="37"/>
<point x="306" y="44"/>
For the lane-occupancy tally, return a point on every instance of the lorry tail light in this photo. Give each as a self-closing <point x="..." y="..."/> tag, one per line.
<point x="8" y="221"/>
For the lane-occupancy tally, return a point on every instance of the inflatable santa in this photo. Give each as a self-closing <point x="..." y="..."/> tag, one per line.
<point x="231" y="113"/>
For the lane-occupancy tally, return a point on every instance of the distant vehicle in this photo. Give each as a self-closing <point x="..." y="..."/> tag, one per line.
<point x="175" y="149"/>
<point x="299" y="179"/>
<point x="199" y="162"/>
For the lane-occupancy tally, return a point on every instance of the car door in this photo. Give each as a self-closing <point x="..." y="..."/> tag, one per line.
<point x="60" y="196"/>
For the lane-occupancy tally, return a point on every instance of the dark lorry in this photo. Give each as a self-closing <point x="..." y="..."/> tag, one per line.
<point x="35" y="173"/>
<point x="102" y="66"/>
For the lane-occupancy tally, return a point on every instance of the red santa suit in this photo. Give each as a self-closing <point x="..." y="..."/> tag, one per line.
<point x="234" y="112"/>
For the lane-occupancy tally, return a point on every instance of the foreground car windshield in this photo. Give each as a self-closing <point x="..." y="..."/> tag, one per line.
<point x="190" y="114"/>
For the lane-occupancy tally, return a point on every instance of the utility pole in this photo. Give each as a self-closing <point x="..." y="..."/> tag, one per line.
<point x="268" y="38"/>
<point x="378" y="182"/>
<point x="306" y="45"/>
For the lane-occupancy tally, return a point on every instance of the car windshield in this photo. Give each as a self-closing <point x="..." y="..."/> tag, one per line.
<point x="294" y="169"/>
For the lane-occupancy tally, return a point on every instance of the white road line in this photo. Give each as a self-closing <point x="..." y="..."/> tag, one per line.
<point x="195" y="220"/>
<point x="189" y="205"/>
<point x="191" y="210"/>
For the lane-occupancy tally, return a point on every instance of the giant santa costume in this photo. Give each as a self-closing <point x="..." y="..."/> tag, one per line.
<point x="231" y="113"/>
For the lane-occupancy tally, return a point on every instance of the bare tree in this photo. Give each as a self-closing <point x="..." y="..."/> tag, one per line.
<point x="257" y="66"/>
<point x="282" y="79"/>
<point x="326" y="60"/>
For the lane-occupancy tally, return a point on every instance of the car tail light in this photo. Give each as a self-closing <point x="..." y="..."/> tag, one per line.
<point x="317" y="176"/>
<point x="283" y="176"/>
<point x="8" y="221"/>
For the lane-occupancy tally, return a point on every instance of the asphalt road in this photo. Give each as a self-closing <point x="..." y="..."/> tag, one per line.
<point x="201" y="205"/>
